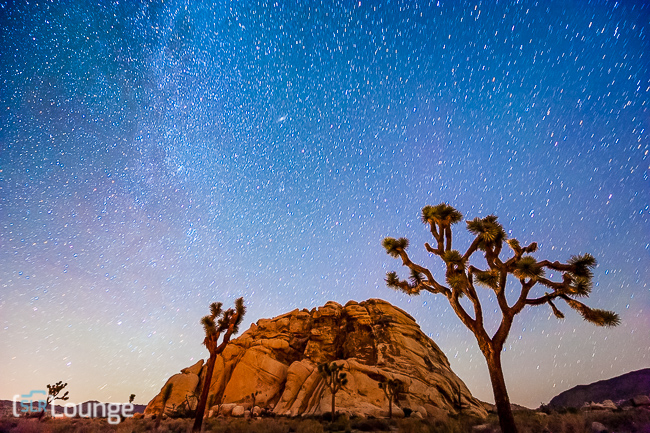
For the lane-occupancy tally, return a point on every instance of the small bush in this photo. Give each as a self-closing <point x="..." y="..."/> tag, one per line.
<point x="176" y="425"/>
<point x="373" y="424"/>
<point x="409" y="425"/>
<point x="342" y="423"/>
<point x="7" y="425"/>
<point x="308" y="426"/>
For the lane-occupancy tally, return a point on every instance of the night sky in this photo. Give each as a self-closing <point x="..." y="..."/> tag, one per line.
<point x="158" y="156"/>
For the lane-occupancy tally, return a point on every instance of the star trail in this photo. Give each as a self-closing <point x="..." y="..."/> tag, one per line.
<point x="156" y="156"/>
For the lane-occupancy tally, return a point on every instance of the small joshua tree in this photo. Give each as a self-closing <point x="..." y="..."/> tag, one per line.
<point x="461" y="278"/>
<point x="215" y="324"/>
<point x="53" y="392"/>
<point x="253" y="397"/>
<point x="392" y="389"/>
<point x="334" y="379"/>
<point x="131" y="398"/>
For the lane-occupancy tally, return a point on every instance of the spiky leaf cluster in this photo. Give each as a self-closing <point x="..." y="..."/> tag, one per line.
<point x="215" y="309"/>
<point x="333" y="374"/>
<point x="391" y="387"/>
<point x="209" y="325"/>
<point x="488" y="230"/>
<point x="453" y="257"/>
<point x="219" y="321"/>
<point x="442" y="214"/>
<point x="527" y="268"/>
<point x="53" y="391"/>
<point x="582" y="265"/>
<point x="594" y="315"/>
<point x="416" y="278"/>
<point x="392" y="280"/>
<point x="410" y="288"/>
<point x="394" y="246"/>
<point x="580" y="275"/>
<point x="514" y="244"/>
<point x="457" y="281"/>
<point x="488" y="279"/>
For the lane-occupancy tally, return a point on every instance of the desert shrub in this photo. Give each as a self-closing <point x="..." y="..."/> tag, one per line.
<point x="373" y="424"/>
<point x="271" y="425"/>
<point x="175" y="425"/>
<point x="409" y="425"/>
<point x="631" y="421"/>
<point x="7" y="424"/>
<point x="342" y="423"/>
<point x="131" y="425"/>
<point x="237" y="426"/>
<point x="528" y="422"/>
<point x="566" y="423"/>
<point x="308" y="426"/>
<point x="28" y="426"/>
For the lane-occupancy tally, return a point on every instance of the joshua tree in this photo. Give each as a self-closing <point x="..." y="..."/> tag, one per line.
<point x="53" y="392"/>
<point x="131" y="398"/>
<point x="216" y="323"/>
<point x="392" y="388"/>
<point x="253" y="397"/>
<point x="334" y="378"/>
<point x="166" y="393"/>
<point x="461" y="277"/>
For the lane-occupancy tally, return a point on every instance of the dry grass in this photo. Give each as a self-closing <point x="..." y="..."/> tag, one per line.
<point x="633" y="421"/>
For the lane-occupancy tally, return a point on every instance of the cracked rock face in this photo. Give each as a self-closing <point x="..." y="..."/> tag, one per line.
<point x="275" y="362"/>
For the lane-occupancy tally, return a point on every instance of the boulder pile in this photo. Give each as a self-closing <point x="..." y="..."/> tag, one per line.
<point x="273" y="367"/>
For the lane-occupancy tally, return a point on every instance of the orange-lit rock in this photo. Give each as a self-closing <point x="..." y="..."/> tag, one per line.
<point x="275" y="363"/>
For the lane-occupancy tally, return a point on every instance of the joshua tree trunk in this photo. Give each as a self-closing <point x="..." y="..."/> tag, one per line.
<point x="390" y="408"/>
<point x="214" y="325"/>
<point x="333" y="406"/>
<point x="200" y="409"/>
<point x="501" y="399"/>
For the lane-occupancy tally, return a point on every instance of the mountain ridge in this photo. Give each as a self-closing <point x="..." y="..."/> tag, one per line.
<point x="623" y="387"/>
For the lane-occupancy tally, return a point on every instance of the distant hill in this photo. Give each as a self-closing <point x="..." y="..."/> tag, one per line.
<point x="618" y="388"/>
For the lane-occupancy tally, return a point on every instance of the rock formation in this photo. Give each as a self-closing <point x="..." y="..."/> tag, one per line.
<point x="275" y="363"/>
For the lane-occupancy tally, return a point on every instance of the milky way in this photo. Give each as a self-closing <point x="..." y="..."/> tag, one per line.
<point x="158" y="156"/>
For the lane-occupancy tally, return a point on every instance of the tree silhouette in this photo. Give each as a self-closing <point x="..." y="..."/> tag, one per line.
<point x="131" y="398"/>
<point x="391" y="388"/>
<point x="216" y="323"/>
<point x="461" y="277"/>
<point x="334" y="379"/>
<point x="53" y="392"/>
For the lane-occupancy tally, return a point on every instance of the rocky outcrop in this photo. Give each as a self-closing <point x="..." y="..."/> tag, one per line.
<point x="624" y="387"/>
<point x="274" y="365"/>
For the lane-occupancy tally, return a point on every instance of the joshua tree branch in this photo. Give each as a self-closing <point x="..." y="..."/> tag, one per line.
<point x="447" y="236"/>
<point x="473" y="296"/>
<point x="437" y="287"/>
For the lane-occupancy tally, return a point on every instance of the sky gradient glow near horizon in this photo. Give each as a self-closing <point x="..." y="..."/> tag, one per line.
<point x="158" y="156"/>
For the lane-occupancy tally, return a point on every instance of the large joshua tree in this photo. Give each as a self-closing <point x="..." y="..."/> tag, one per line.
<point x="215" y="324"/>
<point x="461" y="278"/>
